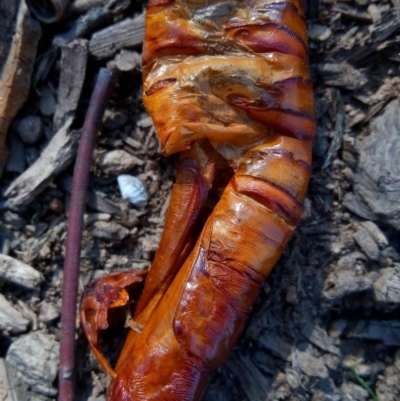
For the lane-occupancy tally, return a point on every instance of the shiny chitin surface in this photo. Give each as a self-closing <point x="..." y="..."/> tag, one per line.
<point x="233" y="74"/>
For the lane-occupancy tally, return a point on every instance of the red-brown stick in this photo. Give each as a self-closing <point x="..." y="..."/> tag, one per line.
<point x="101" y="93"/>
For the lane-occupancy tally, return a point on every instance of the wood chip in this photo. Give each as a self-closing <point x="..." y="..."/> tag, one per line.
<point x="352" y="12"/>
<point x="19" y="37"/>
<point x="342" y="75"/>
<point x="35" y="357"/>
<point x="118" y="161"/>
<point x="367" y="243"/>
<point x="6" y="388"/>
<point x="388" y="332"/>
<point x="377" y="187"/>
<point x="11" y="320"/>
<point x="58" y="155"/>
<point x="110" y="231"/>
<point x="311" y="365"/>
<point x="124" y="34"/>
<point x="320" y="338"/>
<point x="344" y="283"/>
<point x="73" y="71"/>
<point x="376" y="233"/>
<point x="276" y="345"/>
<point x="19" y="273"/>
<point x="387" y="287"/>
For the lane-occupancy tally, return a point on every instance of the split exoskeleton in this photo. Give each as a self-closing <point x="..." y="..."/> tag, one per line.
<point x="225" y="81"/>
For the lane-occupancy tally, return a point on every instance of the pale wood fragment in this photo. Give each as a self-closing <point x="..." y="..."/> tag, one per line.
<point x="58" y="155"/>
<point x="19" y="273"/>
<point x="11" y="320"/>
<point x="124" y="34"/>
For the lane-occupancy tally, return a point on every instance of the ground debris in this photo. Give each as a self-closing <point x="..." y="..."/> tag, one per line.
<point x="56" y="157"/>
<point x="387" y="286"/>
<point x="342" y="75"/>
<point x="19" y="273"/>
<point x="249" y="378"/>
<point x="29" y="128"/>
<point x="123" y="34"/>
<point x="11" y="320"/>
<point x="73" y="71"/>
<point x="118" y="161"/>
<point x="367" y="243"/>
<point x="110" y="231"/>
<point x="18" y="40"/>
<point x="35" y="357"/>
<point x="310" y="365"/>
<point x="376" y="180"/>
<point x="388" y="332"/>
<point x="320" y="338"/>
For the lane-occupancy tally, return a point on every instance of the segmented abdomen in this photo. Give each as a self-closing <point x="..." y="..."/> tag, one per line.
<point x="236" y="73"/>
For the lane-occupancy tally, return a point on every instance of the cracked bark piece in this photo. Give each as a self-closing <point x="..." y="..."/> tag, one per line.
<point x="376" y="181"/>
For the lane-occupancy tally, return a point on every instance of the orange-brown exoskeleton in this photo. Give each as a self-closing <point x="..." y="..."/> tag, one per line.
<point x="225" y="81"/>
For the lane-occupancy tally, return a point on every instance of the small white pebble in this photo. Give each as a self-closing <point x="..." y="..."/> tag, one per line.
<point x="132" y="188"/>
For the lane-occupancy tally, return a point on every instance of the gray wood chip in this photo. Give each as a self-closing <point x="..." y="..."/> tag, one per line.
<point x="57" y="156"/>
<point x="7" y="392"/>
<point x="387" y="287"/>
<point x="276" y="345"/>
<point x="118" y="162"/>
<point x="73" y="72"/>
<point x="342" y="75"/>
<point x="388" y="332"/>
<point x="19" y="273"/>
<point x="341" y="284"/>
<point x="11" y="320"/>
<point x="35" y="358"/>
<point x="123" y="34"/>
<point x="367" y="243"/>
<point x="319" y="32"/>
<point x="376" y="233"/>
<point x="110" y="231"/>
<point x="320" y="338"/>
<point x="377" y="186"/>
<point x="310" y="365"/>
